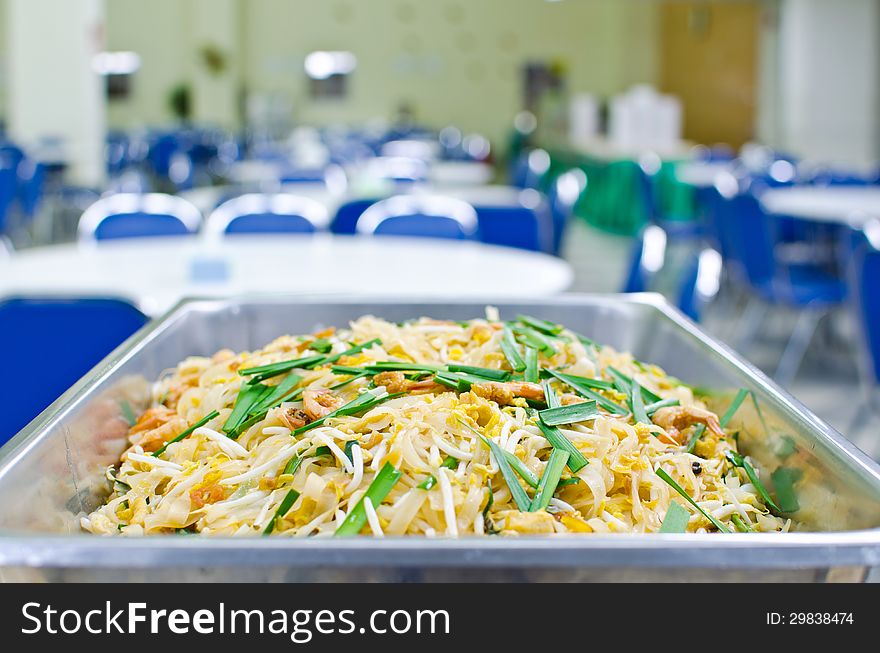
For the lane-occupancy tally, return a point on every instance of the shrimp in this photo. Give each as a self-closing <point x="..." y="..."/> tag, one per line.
<point x="503" y="393"/>
<point x="397" y="382"/>
<point x="155" y="427"/>
<point x="294" y="418"/>
<point x="319" y="403"/>
<point x="674" y="419"/>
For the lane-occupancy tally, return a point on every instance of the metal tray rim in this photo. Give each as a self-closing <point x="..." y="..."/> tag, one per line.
<point x="790" y="550"/>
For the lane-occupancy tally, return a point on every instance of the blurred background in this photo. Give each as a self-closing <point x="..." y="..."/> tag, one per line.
<point x="723" y="153"/>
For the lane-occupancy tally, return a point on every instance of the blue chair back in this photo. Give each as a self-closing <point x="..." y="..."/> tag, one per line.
<point x="420" y="216"/>
<point x="345" y="221"/>
<point x="256" y="213"/>
<point x="50" y="344"/>
<point x="522" y="227"/>
<point x="751" y="238"/>
<point x="131" y="215"/>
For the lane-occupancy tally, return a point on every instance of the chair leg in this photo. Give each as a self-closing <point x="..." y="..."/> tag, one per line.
<point x="748" y="324"/>
<point x="800" y="339"/>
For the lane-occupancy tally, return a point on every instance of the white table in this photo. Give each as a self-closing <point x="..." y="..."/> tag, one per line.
<point x="702" y="174"/>
<point x="157" y="272"/>
<point x="836" y="204"/>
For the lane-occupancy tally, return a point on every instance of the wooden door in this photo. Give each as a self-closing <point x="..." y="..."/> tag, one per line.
<point x="709" y="59"/>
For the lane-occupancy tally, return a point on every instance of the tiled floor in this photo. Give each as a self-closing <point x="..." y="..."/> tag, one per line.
<point x="827" y="382"/>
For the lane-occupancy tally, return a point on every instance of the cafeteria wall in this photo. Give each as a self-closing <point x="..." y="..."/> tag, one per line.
<point x="820" y="89"/>
<point x="452" y="61"/>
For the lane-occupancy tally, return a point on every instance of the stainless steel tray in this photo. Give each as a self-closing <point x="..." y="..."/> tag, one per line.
<point x="54" y="469"/>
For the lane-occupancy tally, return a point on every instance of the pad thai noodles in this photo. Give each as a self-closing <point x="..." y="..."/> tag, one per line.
<point x="433" y="428"/>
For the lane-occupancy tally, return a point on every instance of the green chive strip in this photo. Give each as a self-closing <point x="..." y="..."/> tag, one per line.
<point x="698" y="433"/>
<point x="637" y="403"/>
<point x="292" y="465"/>
<point x="675" y="486"/>
<point x="207" y="418"/>
<point x="382" y="484"/>
<point x="345" y="370"/>
<point x="458" y="380"/>
<point x="483" y="372"/>
<point x="249" y="397"/>
<point x="127" y="413"/>
<point x="520" y="497"/>
<point x="245" y="425"/>
<point x="360" y="404"/>
<point x="741" y="526"/>
<point x="734" y="406"/>
<point x="428" y="483"/>
<point x="587" y="393"/>
<point x="569" y="414"/>
<point x="286" y="504"/>
<point x="550" y="396"/>
<point x="278" y="393"/>
<point x="449" y="462"/>
<point x="356" y="349"/>
<point x="536" y="339"/>
<point x="519" y="467"/>
<point x="555" y="437"/>
<point x="531" y="373"/>
<point x="784" y="479"/>
<point x="580" y="381"/>
<point x="322" y="345"/>
<point x="676" y="519"/>
<point x="549" y="480"/>
<point x="263" y="372"/>
<point x="737" y="460"/>
<point x="624" y="383"/>
<point x="549" y="328"/>
<point x="508" y="346"/>
<point x="650" y="409"/>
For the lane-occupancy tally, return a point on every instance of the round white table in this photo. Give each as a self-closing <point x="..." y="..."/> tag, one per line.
<point x="157" y="272"/>
<point x="836" y="204"/>
<point x="701" y="174"/>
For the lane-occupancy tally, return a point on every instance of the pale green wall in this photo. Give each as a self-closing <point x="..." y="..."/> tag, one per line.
<point x="456" y="61"/>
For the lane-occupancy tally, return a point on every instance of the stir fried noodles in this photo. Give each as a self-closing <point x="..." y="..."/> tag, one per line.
<point x="433" y="428"/>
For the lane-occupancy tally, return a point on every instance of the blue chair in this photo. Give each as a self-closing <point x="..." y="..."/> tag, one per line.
<point x="530" y="168"/>
<point x="700" y="283"/>
<point x="50" y="344"/>
<point x="563" y="196"/>
<point x="648" y="258"/>
<point x="256" y="213"/>
<point x="161" y="152"/>
<point x="347" y="215"/>
<point x="525" y="224"/>
<point x="863" y="271"/>
<point x="131" y="215"/>
<point x="806" y="287"/>
<point x="427" y="216"/>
